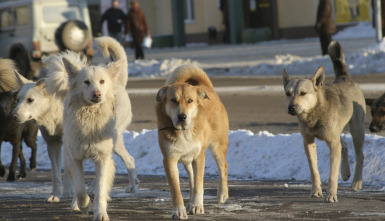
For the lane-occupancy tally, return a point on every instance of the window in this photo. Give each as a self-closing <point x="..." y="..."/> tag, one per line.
<point x="189" y="16"/>
<point x="22" y="15"/>
<point x="6" y="19"/>
<point x="55" y="14"/>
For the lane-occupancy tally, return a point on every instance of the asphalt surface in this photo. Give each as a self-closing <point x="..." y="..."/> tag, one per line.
<point x="249" y="199"/>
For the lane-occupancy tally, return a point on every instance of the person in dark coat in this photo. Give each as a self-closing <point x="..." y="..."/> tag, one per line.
<point x="137" y="25"/>
<point x="325" y="24"/>
<point x="115" y="20"/>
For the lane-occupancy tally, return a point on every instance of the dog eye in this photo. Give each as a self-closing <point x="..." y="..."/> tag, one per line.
<point x="30" y="100"/>
<point x="288" y="94"/>
<point x="173" y="100"/>
<point x="87" y="82"/>
<point x="101" y="81"/>
<point x="303" y="93"/>
<point x="189" y="101"/>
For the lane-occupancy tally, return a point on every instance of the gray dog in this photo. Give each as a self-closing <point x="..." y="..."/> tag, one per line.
<point x="323" y="111"/>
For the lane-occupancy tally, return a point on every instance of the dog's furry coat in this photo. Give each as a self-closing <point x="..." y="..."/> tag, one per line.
<point x="48" y="97"/>
<point x="322" y="112"/>
<point x="96" y="111"/>
<point x="191" y="118"/>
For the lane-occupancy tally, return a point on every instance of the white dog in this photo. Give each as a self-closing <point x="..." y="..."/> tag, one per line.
<point x="43" y="101"/>
<point x="96" y="111"/>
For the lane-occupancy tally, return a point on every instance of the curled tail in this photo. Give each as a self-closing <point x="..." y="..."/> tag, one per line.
<point x="57" y="76"/>
<point x="8" y="78"/>
<point x="109" y="46"/>
<point x="338" y="59"/>
<point x="190" y="74"/>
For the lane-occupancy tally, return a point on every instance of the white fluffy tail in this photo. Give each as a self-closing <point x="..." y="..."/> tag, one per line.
<point x="57" y="76"/>
<point x="109" y="46"/>
<point x="8" y="78"/>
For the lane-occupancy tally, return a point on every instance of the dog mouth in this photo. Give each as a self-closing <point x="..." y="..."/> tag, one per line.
<point x="96" y="100"/>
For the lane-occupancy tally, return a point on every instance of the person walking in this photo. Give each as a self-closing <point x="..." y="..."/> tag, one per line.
<point x="137" y="25"/>
<point x="325" y="24"/>
<point x="115" y="20"/>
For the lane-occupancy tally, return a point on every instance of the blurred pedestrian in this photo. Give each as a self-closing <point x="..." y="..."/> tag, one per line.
<point x="137" y="25"/>
<point x="224" y="7"/>
<point x="325" y="24"/>
<point x="115" y="19"/>
<point x="382" y="16"/>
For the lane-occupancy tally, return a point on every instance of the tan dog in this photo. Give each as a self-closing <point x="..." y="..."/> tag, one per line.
<point x="191" y="118"/>
<point x="323" y="111"/>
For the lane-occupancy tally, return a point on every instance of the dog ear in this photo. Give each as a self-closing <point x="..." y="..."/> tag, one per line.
<point x="161" y="94"/>
<point x="369" y="101"/>
<point x="286" y="78"/>
<point x="115" y="68"/>
<point x="71" y="69"/>
<point x="21" y="79"/>
<point x="202" y="94"/>
<point x="319" y="77"/>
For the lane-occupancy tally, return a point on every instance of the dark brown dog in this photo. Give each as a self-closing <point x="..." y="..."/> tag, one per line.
<point x="377" y="106"/>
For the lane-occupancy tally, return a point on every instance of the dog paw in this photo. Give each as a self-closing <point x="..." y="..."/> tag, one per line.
<point x="74" y="207"/>
<point x="101" y="217"/>
<point x="197" y="209"/>
<point x="222" y="197"/>
<point x="317" y="193"/>
<point x="357" y="185"/>
<point x="52" y="199"/>
<point x="22" y="175"/>
<point x="32" y="165"/>
<point x="331" y="198"/>
<point x="133" y="188"/>
<point x="179" y="213"/>
<point x="11" y="177"/>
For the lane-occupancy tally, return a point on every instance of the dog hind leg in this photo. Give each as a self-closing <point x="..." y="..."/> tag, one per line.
<point x="219" y="154"/>
<point x="345" y="168"/>
<point x="357" y="129"/>
<point x="129" y="162"/>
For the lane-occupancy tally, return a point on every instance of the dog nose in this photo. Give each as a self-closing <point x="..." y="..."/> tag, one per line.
<point x="182" y="117"/>
<point x="291" y="109"/>
<point x="14" y="116"/>
<point x="97" y="94"/>
<point x="373" y="128"/>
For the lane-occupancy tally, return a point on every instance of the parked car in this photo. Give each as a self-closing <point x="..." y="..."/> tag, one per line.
<point x="32" y="29"/>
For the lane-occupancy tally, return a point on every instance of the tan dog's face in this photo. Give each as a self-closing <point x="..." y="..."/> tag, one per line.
<point x="181" y="103"/>
<point x="378" y="113"/>
<point x="301" y="94"/>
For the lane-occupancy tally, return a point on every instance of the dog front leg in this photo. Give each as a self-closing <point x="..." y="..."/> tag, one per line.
<point x="190" y="173"/>
<point x="172" y="174"/>
<point x="197" y="200"/>
<point x="335" y="159"/>
<point x="75" y="169"/>
<point x="311" y="154"/>
<point x="105" y="172"/>
<point x="54" y="153"/>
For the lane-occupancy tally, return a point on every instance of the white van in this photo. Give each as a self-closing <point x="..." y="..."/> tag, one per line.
<point x="31" y="29"/>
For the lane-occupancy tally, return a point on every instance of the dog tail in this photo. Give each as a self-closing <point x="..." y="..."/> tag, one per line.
<point x="57" y="76"/>
<point x="338" y="59"/>
<point x="8" y="78"/>
<point x="189" y="74"/>
<point x="110" y="47"/>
